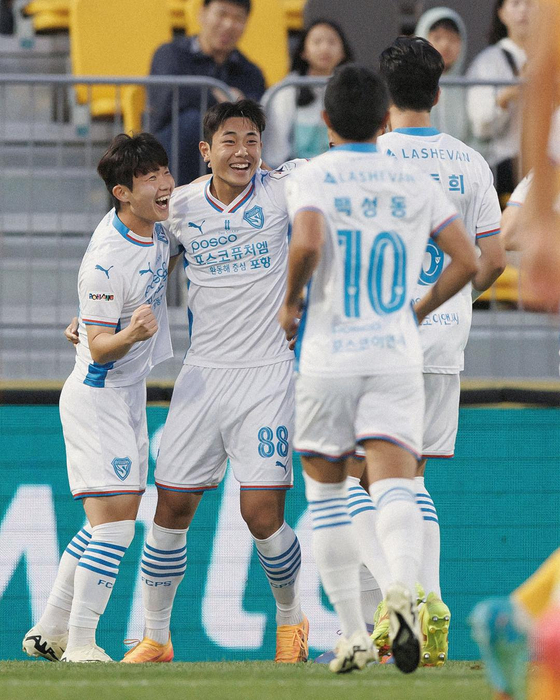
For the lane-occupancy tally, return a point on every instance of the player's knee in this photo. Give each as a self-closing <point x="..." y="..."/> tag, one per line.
<point x="262" y="524"/>
<point x="176" y="510"/>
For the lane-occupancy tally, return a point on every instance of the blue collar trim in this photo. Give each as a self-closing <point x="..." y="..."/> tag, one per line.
<point x="418" y="131"/>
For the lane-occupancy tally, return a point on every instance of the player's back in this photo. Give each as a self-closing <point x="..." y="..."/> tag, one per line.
<point x="379" y="215"/>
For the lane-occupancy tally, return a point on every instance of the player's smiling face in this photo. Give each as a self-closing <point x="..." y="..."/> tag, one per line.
<point x="234" y="153"/>
<point x="148" y="200"/>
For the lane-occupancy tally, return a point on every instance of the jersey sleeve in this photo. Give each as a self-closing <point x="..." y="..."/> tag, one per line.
<point x="101" y="295"/>
<point x="277" y="180"/>
<point x="444" y="211"/>
<point x="303" y="193"/>
<point x="490" y="214"/>
<point x="519" y="194"/>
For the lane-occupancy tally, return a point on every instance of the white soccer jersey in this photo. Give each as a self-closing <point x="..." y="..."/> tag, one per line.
<point x="467" y="180"/>
<point x="235" y="258"/>
<point x="380" y="214"/>
<point x="121" y="271"/>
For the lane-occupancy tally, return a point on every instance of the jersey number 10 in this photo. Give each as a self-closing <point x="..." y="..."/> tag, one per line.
<point x="383" y="301"/>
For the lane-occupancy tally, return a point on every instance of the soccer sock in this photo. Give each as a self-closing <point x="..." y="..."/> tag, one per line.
<point x="370" y="594"/>
<point x="336" y="552"/>
<point x="399" y="528"/>
<point x="362" y="510"/>
<point x="429" y="566"/>
<point x="280" y="557"/>
<point x="95" y="576"/>
<point x="164" y="562"/>
<point x="57" y="612"/>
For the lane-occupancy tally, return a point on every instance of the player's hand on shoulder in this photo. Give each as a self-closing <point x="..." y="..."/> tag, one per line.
<point x="143" y="323"/>
<point x="71" y="331"/>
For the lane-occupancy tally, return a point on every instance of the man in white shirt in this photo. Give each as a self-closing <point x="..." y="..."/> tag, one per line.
<point x="123" y="333"/>
<point x="234" y="397"/>
<point x="361" y="222"/>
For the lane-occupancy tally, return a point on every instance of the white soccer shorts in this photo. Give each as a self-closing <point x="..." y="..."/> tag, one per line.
<point x="332" y="415"/>
<point x="245" y="415"/>
<point x="106" y="438"/>
<point x="442" y="415"/>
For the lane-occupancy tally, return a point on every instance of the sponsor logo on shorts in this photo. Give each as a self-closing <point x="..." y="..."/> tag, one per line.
<point x="122" y="466"/>
<point x="101" y="296"/>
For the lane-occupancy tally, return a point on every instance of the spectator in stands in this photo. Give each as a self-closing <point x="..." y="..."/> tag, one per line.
<point x="494" y="113"/>
<point x="6" y="17"/>
<point x="295" y="128"/>
<point x="445" y="30"/>
<point x="212" y="53"/>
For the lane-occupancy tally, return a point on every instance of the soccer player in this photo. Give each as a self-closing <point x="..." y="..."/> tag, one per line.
<point x="361" y="223"/>
<point x="234" y="397"/>
<point x="123" y="333"/>
<point x="412" y="69"/>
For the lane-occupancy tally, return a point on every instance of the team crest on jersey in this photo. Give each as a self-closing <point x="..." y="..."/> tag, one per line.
<point x="282" y="171"/>
<point x="160" y="233"/>
<point x="122" y="466"/>
<point x="255" y="217"/>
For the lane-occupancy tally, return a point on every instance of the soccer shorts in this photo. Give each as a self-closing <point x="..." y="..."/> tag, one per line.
<point x="332" y="415"/>
<point x="245" y="415"/>
<point x="442" y="415"/>
<point x="106" y="438"/>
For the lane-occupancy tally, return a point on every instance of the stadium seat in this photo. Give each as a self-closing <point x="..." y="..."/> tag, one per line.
<point x="97" y="49"/>
<point x="294" y="14"/>
<point x="265" y="41"/>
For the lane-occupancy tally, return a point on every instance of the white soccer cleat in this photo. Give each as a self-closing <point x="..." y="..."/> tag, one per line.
<point x="90" y="653"/>
<point x="354" y="653"/>
<point x="404" y="628"/>
<point x="47" y="646"/>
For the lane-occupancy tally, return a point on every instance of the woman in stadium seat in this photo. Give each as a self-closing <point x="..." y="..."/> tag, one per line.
<point x="295" y="128"/>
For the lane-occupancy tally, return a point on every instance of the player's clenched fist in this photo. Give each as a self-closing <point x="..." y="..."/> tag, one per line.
<point x="143" y="324"/>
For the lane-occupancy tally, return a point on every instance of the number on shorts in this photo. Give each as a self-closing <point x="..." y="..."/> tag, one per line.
<point x="267" y="448"/>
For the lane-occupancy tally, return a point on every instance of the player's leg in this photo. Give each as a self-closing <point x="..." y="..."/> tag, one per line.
<point x="191" y="460"/>
<point x="258" y="436"/>
<point x="325" y="437"/>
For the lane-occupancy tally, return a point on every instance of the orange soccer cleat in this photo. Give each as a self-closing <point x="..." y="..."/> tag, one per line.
<point x="148" y="651"/>
<point x="292" y="646"/>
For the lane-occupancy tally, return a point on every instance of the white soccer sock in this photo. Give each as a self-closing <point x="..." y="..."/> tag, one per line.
<point x="399" y="528"/>
<point x="55" y="618"/>
<point x="164" y="562"/>
<point x="95" y="576"/>
<point x="370" y="594"/>
<point x="429" y="567"/>
<point x="363" y="512"/>
<point x="336" y="552"/>
<point x="280" y="557"/>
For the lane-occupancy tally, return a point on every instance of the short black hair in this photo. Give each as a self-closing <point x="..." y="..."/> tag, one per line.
<point x="412" y="68"/>
<point x="128" y="157"/>
<point x="245" y="4"/>
<point x="445" y="23"/>
<point x="221" y="112"/>
<point x="356" y="102"/>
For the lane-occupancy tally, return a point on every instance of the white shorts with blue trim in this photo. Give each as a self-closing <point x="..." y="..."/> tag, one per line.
<point x="442" y="415"/>
<point x="332" y="415"/>
<point x="244" y="414"/>
<point x="106" y="438"/>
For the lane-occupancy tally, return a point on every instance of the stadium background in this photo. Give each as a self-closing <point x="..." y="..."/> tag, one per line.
<point x="498" y="500"/>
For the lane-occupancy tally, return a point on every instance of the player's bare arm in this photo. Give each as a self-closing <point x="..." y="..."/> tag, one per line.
<point x="305" y="252"/>
<point x="107" y="346"/>
<point x="454" y="241"/>
<point x="71" y="331"/>
<point x="491" y="263"/>
<point x="511" y="230"/>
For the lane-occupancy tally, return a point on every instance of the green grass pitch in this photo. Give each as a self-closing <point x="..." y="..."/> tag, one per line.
<point x="21" y="680"/>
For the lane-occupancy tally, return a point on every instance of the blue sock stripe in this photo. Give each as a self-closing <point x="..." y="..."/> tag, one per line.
<point x="342" y="514"/>
<point x="359" y="501"/>
<point x="322" y="527"/>
<point x="85" y="533"/>
<point x="282" y="564"/>
<point x="98" y="571"/>
<point x="326" y="500"/>
<point x="434" y="519"/>
<point x="294" y="544"/>
<point x="344" y="504"/>
<point x="85" y="542"/>
<point x="69" y="551"/>
<point x="97" y="543"/>
<point x="429" y="510"/>
<point x="164" y="568"/>
<point x="353" y="513"/>
<point x="165" y="551"/>
<point x="164" y="559"/>
<point x="81" y="550"/>
<point x="103" y="553"/>
<point x="168" y="575"/>
<point x="398" y="493"/>
<point x="103" y="562"/>
<point x="285" y="574"/>
<point x="424" y="500"/>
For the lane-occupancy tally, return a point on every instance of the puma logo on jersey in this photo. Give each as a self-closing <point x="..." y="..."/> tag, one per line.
<point x="197" y="226"/>
<point x="98" y="267"/>
<point x="279" y="464"/>
<point x="145" y="272"/>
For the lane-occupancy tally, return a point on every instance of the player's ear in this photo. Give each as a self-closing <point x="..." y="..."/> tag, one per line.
<point x="326" y="119"/>
<point x="385" y="122"/>
<point x="437" y="97"/>
<point x="204" y="149"/>
<point x="121" y="193"/>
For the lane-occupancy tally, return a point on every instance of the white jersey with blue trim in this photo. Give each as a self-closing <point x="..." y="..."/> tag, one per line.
<point x="467" y="181"/>
<point x="379" y="215"/>
<point x="120" y="271"/>
<point x="235" y="258"/>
